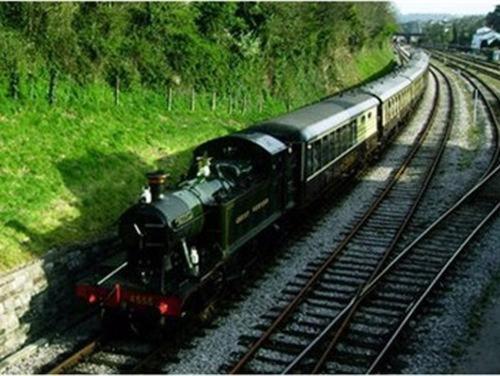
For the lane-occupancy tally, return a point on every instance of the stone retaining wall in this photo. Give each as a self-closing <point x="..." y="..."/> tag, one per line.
<point x="38" y="295"/>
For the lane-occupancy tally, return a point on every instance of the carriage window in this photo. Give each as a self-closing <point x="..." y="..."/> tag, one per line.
<point x="316" y="155"/>
<point x="309" y="160"/>
<point x="345" y="138"/>
<point x="335" y="144"/>
<point x="341" y="141"/>
<point x="369" y="115"/>
<point x="331" y="141"/>
<point x="325" y="152"/>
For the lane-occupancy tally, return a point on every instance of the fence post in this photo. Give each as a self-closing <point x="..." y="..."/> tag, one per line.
<point x="52" y="86"/>
<point x="193" y="99"/>
<point x="261" y="102"/>
<point x="117" y="90"/>
<point x="214" y="100"/>
<point x="169" y="99"/>
<point x="14" y="84"/>
<point x="31" y="81"/>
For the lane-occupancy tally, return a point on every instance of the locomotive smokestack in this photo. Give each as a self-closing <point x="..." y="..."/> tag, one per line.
<point x="156" y="180"/>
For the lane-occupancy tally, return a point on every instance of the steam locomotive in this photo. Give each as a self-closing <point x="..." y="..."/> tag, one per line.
<point x="181" y="244"/>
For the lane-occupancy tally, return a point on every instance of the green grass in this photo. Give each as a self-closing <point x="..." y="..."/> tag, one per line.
<point x="68" y="171"/>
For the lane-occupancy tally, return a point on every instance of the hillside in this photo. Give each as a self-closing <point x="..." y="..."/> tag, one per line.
<point x="70" y="166"/>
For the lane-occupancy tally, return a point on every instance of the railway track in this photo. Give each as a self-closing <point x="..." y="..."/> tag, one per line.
<point x="491" y="99"/>
<point x="332" y="284"/>
<point x="473" y="58"/>
<point x="75" y="358"/>
<point x="479" y="61"/>
<point x="489" y="96"/>
<point x="481" y="67"/>
<point x="369" y="326"/>
<point x="106" y="355"/>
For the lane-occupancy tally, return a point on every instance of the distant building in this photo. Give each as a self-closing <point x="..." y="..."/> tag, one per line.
<point x="485" y="37"/>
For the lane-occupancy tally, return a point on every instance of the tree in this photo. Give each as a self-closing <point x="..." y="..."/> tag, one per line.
<point x="493" y="19"/>
<point x="12" y="58"/>
<point x="209" y="45"/>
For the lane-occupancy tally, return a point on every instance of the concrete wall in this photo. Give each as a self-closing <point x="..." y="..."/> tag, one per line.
<point x="41" y="293"/>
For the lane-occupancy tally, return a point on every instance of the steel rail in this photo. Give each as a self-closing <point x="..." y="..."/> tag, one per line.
<point x="347" y="314"/>
<point x="478" y="61"/>
<point x="337" y="251"/>
<point x="491" y="114"/>
<point x="144" y="364"/>
<point x="76" y="357"/>
<point x="469" y="63"/>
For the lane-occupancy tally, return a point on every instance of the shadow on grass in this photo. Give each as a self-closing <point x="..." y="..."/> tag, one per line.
<point x="101" y="185"/>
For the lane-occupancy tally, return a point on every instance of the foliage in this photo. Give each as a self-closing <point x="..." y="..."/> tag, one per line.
<point x="464" y="28"/>
<point x="458" y="31"/>
<point x="211" y="46"/>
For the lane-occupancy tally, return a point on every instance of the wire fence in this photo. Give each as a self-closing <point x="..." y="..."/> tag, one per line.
<point x="57" y="91"/>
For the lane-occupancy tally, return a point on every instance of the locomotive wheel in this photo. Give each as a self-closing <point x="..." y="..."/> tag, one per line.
<point x="208" y="293"/>
<point x="143" y="328"/>
<point x="207" y="314"/>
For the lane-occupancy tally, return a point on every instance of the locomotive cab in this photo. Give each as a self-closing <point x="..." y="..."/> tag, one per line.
<point x="256" y="164"/>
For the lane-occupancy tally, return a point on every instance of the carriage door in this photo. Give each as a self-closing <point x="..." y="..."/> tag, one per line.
<point x="291" y="175"/>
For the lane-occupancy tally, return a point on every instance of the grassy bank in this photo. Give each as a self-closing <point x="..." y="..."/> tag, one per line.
<point x="67" y="171"/>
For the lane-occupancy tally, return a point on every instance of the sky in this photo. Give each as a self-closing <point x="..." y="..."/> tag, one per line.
<point x="461" y="7"/>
